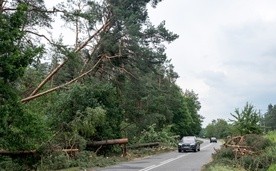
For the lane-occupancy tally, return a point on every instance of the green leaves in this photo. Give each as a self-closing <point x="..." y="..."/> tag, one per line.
<point x="87" y="121"/>
<point x="15" y="54"/>
<point x="247" y="121"/>
<point x="269" y="120"/>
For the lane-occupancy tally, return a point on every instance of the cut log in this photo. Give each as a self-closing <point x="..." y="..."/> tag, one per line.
<point x="108" y="142"/>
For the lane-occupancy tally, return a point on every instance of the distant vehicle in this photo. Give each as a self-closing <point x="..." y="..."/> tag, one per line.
<point x="188" y="143"/>
<point x="213" y="139"/>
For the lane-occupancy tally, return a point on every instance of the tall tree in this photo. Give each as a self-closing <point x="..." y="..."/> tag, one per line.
<point x="118" y="37"/>
<point x="187" y="120"/>
<point x="270" y="118"/>
<point x="218" y="128"/>
<point x="247" y="121"/>
<point x="19" y="129"/>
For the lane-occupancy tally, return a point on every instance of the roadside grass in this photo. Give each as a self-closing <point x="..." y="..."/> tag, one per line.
<point x="219" y="167"/>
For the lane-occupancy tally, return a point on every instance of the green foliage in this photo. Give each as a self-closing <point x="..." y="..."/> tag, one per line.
<point x="253" y="163"/>
<point x="272" y="167"/>
<point x="225" y="153"/>
<point x="15" y="54"/>
<point x="132" y="88"/>
<point x="20" y="129"/>
<point x="218" y="128"/>
<point x="151" y="135"/>
<point x="257" y="142"/>
<point x="262" y="159"/>
<point x="186" y="119"/>
<point x="18" y="163"/>
<point x="79" y="161"/>
<point x="269" y="120"/>
<point x="271" y="135"/>
<point x="85" y="113"/>
<point x="86" y="123"/>
<point x="248" y="120"/>
<point x="220" y="167"/>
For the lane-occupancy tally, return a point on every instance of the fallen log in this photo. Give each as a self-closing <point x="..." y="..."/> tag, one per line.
<point x="108" y="142"/>
<point x="122" y="141"/>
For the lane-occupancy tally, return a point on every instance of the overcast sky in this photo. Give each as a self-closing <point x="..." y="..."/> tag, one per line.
<point x="226" y="51"/>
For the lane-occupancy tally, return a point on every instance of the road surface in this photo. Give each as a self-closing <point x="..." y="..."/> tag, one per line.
<point x="172" y="161"/>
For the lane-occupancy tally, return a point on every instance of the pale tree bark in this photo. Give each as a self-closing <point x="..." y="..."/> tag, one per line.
<point x="60" y="86"/>
<point x="51" y="74"/>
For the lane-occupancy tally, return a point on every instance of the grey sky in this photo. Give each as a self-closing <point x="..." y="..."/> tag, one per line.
<point x="226" y="51"/>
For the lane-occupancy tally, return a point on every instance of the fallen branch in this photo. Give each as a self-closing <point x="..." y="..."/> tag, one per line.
<point x="108" y="142"/>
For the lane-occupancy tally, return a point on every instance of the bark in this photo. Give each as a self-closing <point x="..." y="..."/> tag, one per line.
<point x="59" y="87"/>
<point x="50" y="75"/>
<point x="108" y="142"/>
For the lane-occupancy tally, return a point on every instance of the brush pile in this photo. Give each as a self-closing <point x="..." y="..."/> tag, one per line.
<point x="250" y="144"/>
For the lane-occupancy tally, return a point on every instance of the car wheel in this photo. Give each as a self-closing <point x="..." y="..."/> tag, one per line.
<point x="179" y="150"/>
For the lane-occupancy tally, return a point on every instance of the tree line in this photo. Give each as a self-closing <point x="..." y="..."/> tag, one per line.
<point x="247" y="120"/>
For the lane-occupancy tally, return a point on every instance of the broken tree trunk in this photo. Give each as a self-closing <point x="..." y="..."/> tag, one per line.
<point x="108" y="142"/>
<point x="122" y="141"/>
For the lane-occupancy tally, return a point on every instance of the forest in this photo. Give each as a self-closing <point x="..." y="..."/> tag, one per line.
<point x="113" y="80"/>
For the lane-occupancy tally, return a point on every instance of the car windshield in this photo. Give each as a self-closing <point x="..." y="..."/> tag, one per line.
<point x="188" y="140"/>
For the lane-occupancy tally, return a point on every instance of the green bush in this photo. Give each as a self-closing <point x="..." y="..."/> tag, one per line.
<point x="271" y="136"/>
<point x="220" y="167"/>
<point x="224" y="153"/>
<point x="272" y="167"/>
<point x="163" y="136"/>
<point x="257" y="142"/>
<point x="18" y="163"/>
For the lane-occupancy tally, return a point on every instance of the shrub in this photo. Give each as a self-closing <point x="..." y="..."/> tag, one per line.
<point x="271" y="136"/>
<point x="224" y="153"/>
<point x="220" y="167"/>
<point x="272" y="168"/>
<point x="257" y="142"/>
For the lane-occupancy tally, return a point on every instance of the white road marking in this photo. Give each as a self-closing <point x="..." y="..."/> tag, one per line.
<point x="168" y="161"/>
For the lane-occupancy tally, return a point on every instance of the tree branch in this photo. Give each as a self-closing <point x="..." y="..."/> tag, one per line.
<point x="40" y="35"/>
<point x="60" y="86"/>
<point x="50" y="75"/>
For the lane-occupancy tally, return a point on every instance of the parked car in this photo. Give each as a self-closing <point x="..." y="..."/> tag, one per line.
<point x="188" y="143"/>
<point x="213" y="139"/>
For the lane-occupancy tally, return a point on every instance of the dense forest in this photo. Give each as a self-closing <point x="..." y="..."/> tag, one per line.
<point x="114" y="80"/>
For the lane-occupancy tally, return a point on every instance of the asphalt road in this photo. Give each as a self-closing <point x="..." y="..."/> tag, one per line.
<point x="172" y="161"/>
